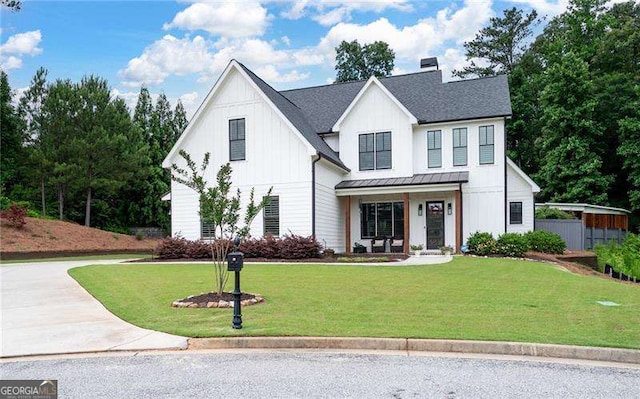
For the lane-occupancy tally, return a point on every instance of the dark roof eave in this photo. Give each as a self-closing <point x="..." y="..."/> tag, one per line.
<point x="415" y="180"/>
<point x="338" y="164"/>
<point x="425" y="122"/>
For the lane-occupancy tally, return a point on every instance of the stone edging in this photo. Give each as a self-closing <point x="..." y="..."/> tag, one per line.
<point x="219" y="304"/>
<point x="422" y="345"/>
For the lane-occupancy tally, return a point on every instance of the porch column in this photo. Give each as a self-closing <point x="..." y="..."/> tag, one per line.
<point x="458" y="220"/>
<point x="347" y="227"/>
<point x="405" y="242"/>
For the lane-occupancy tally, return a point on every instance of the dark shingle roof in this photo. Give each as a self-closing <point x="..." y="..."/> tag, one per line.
<point x="297" y="118"/>
<point x="427" y="178"/>
<point x="314" y="110"/>
<point x="422" y="93"/>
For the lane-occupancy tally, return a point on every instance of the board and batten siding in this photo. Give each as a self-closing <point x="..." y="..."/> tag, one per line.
<point x="519" y="190"/>
<point x="330" y="209"/>
<point x="373" y="113"/>
<point x="275" y="157"/>
<point x="483" y="195"/>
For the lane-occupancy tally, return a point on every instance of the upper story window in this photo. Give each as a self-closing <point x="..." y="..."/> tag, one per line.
<point x="375" y="151"/>
<point x="271" y="214"/>
<point x="236" y="140"/>
<point x="460" y="146"/>
<point x="434" y="148"/>
<point x="486" y="144"/>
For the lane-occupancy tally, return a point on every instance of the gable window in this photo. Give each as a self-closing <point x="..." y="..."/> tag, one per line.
<point x="382" y="219"/>
<point x="236" y="140"/>
<point x="374" y="151"/>
<point x="271" y="214"/>
<point x="515" y="212"/>
<point x="486" y="144"/>
<point x="434" y="148"/>
<point x="460" y="146"/>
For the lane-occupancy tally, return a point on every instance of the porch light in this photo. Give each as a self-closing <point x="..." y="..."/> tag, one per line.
<point x="419" y="209"/>
<point x="449" y="211"/>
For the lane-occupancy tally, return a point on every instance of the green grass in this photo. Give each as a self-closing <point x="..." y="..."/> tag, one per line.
<point x="469" y="298"/>
<point x="88" y="257"/>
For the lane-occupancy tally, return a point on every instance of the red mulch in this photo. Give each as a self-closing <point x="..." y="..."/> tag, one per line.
<point x="215" y="297"/>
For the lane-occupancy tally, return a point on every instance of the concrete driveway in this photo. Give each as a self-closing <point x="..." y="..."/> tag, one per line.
<point x="45" y="311"/>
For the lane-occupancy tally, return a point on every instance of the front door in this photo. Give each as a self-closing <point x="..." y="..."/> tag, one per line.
<point x="435" y="225"/>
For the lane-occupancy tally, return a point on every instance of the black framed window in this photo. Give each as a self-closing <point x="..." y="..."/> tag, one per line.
<point x="366" y="149"/>
<point x="271" y="216"/>
<point x="382" y="219"/>
<point x="460" y="146"/>
<point x="486" y="144"/>
<point x="434" y="148"/>
<point x="515" y="212"/>
<point x="207" y="231"/>
<point x="236" y="139"/>
<point x="374" y="150"/>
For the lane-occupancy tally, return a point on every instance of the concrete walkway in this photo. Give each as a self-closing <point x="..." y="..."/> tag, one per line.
<point x="45" y="311"/>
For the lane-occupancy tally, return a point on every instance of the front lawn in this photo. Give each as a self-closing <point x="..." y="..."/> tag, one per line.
<point x="469" y="298"/>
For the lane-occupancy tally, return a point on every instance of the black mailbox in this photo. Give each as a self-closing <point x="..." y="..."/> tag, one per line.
<point x="235" y="261"/>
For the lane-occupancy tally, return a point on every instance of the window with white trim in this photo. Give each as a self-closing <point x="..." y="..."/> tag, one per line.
<point x="236" y="139"/>
<point x="374" y="150"/>
<point x="382" y="219"/>
<point x="434" y="148"/>
<point x="486" y="142"/>
<point x="515" y="212"/>
<point x="460" y="146"/>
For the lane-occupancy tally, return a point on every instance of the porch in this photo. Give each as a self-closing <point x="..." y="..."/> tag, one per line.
<point x="422" y="210"/>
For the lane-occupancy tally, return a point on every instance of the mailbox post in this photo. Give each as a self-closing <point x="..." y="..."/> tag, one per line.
<point x="235" y="262"/>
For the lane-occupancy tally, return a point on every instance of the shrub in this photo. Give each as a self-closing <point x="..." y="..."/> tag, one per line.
<point x="329" y="253"/>
<point x="481" y="243"/>
<point x="265" y="247"/>
<point x="172" y="248"/>
<point x="15" y="215"/>
<point x="198" y="250"/>
<point x="552" y="213"/>
<point x="512" y="244"/>
<point x="544" y="241"/>
<point x="623" y="258"/>
<point x="139" y="236"/>
<point x="298" y="247"/>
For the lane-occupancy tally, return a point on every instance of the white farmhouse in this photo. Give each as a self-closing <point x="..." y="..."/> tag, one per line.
<point x="406" y="156"/>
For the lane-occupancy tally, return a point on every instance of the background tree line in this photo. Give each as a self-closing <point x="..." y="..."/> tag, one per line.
<point x="73" y="151"/>
<point x="575" y="94"/>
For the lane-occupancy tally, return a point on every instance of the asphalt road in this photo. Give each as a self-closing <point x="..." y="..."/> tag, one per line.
<point x="304" y="375"/>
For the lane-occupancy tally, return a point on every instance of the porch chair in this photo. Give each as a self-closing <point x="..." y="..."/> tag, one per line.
<point x="378" y="245"/>
<point x="397" y="245"/>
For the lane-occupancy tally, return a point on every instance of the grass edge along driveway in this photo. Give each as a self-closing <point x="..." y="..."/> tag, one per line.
<point x="470" y="298"/>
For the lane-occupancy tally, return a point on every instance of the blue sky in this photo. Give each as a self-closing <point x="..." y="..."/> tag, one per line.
<point x="180" y="48"/>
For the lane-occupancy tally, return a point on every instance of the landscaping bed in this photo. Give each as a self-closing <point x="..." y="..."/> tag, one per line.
<point x="337" y="258"/>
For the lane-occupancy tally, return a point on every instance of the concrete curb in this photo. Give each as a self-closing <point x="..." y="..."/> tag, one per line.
<point x="422" y="345"/>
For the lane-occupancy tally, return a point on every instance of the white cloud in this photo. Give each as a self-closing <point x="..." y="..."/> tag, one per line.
<point x="18" y="46"/>
<point x="167" y="56"/>
<point x="226" y="19"/>
<point x="286" y="40"/>
<point x="331" y="12"/>
<point x="10" y="62"/>
<point x="271" y="74"/>
<point x="413" y="42"/>
<point x="550" y="8"/>
<point x="23" y="44"/>
<point x="308" y="56"/>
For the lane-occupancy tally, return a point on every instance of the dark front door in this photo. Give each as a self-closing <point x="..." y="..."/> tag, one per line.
<point x="435" y="225"/>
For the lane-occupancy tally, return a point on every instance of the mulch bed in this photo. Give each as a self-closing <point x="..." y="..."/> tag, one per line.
<point x="334" y="259"/>
<point x="215" y="300"/>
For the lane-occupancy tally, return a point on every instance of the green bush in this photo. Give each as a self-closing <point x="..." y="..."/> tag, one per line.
<point x="551" y="213"/>
<point x="482" y="243"/>
<point x="544" y="241"/>
<point x="512" y="244"/>
<point x="623" y="258"/>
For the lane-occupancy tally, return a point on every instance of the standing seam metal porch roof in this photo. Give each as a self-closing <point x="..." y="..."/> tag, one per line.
<point x="415" y="180"/>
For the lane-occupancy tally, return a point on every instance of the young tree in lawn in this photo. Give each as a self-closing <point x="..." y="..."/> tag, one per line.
<point x="356" y="62"/>
<point x="220" y="207"/>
